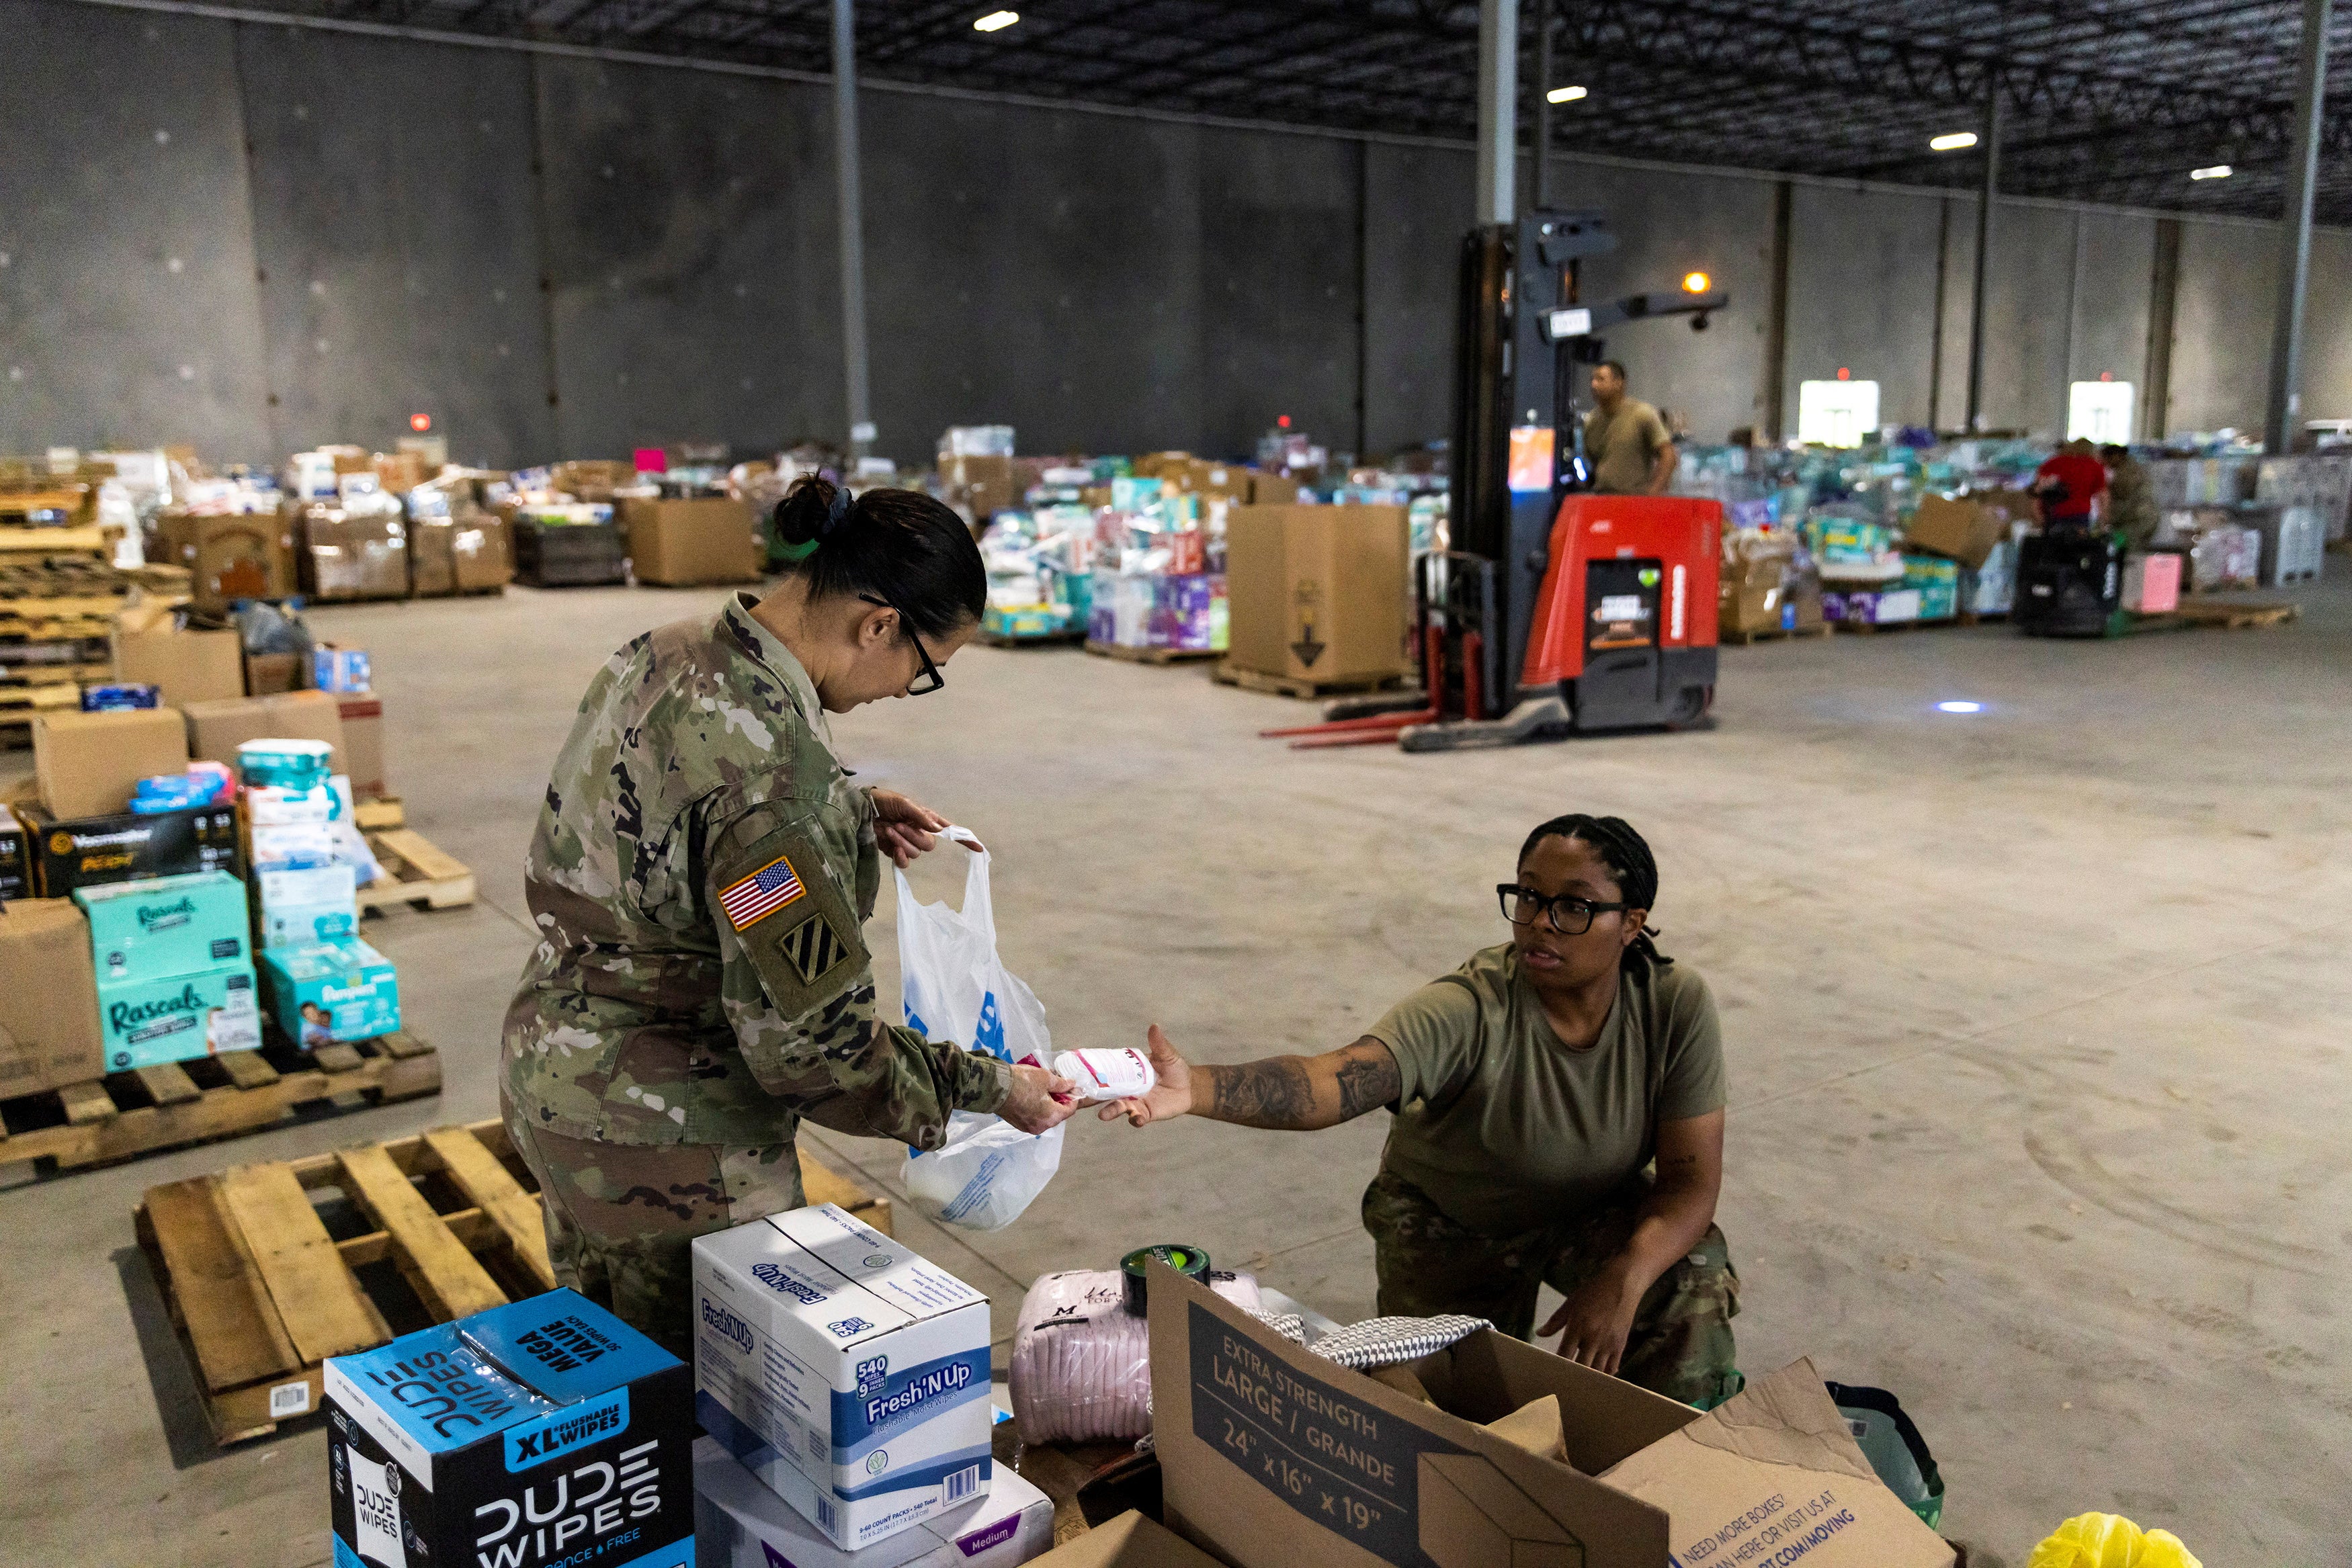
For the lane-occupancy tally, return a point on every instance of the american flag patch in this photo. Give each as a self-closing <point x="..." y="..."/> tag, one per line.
<point x="761" y="894"/>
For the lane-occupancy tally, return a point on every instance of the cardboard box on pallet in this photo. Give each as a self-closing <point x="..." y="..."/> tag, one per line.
<point x="15" y="859"/>
<point x="49" y="1033"/>
<point x="848" y="1374"/>
<point x="331" y="992"/>
<point x="89" y="763"/>
<point x="87" y="852"/>
<point x="680" y="543"/>
<point x="185" y="666"/>
<point x="1272" y="1457"/>
<point x="158" y="927"/>
<point x="173" y="1018"/>
<point x="1317" y="593"/>
<point x="305" y="906"/>
<point x="230" y="556"/>
<point x="217" y="729"/>
<point x="1958" y="530"/>
<point x="363" y="720"/>
<point x="351" y="555"/>
<point x="544" y="1432"/>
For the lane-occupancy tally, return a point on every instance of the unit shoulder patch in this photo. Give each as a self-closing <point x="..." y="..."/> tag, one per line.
<point x="813" y="949"/>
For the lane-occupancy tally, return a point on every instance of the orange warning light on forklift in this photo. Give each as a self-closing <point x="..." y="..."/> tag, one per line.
<point x="420" y="423"/>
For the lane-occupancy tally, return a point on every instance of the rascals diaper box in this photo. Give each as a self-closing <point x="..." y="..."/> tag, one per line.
<point x="331" y="991"/>
<point x="541" y="1433"/>
<point x="739" y="1523"/>
<point x="843" y="1370"/>
<point x="148" y="1023"/>
<point x="164" y="927"/>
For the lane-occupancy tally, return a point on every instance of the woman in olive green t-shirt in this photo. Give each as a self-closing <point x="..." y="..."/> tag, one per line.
<point x="1533" y="1089"/>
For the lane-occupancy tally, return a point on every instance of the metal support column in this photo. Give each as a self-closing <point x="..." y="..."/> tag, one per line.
<point x="1539" y="185"/>
<point x="1498" y="108"/>
<point x="852" y="231"/>
<point x="1985" y="200"/>
<point x="2285" y="407"/>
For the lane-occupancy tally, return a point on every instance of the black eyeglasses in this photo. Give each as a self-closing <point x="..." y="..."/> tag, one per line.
<point x="1568" y="915"/>
<point x="930" y="672"/>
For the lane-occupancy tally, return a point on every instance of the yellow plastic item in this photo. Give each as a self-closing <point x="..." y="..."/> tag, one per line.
<point x="2110" y="1540"/>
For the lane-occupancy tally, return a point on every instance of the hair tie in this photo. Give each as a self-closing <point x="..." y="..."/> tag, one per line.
<point x="836" y="512"/>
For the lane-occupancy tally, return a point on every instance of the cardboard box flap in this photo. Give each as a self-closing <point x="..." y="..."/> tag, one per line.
<point x="1272" y="1457"/>
<point x="1777" y="1463"/>
<point x="1604" y="1420"/>
<point x="1536" y="1428"/>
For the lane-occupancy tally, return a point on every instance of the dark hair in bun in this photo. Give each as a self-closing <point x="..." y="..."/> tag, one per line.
<point x="899" y="545"/>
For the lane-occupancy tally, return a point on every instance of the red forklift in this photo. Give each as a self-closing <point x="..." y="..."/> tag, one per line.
<point x="1557" y="612"/>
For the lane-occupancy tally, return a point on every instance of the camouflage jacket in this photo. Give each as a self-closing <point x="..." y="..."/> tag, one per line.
<point x="698" y="879"/>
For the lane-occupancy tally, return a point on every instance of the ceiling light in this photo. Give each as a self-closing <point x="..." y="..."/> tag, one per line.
<point x="1696" y="282"/>
<point x="1952" y="141"/>
<point x="1959" y="707"/>
<point x="2210" y="171"/>
<point x="996" y="21"/>
<point x="1564" y="94"/>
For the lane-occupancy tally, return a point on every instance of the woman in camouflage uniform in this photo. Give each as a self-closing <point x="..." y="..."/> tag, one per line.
<point x="1559" y="1106"/>
<point x="702" y="868"/>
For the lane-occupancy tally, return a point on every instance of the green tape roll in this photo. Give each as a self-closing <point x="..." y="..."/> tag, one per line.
<point x="1185" y="1258"/>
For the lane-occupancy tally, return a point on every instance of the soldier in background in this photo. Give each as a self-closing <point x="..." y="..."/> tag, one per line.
<point x="699" y="879"/>
<point x="2131" y="496"/>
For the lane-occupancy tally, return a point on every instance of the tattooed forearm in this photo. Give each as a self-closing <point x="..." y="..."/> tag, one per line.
<point x="1368" y="1078"/>
<point x="1275" y="1092"/>
<point x="1299" y="1093"/>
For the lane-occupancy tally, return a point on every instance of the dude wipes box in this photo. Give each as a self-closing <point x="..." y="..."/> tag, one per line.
<point x="546" y="1434"/>
<point x="845" y="1372"/>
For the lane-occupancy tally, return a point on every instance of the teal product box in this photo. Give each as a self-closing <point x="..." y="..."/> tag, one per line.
<point x="331" y="991"/>
<point x="164" y="927"/>
<point x="303" y="908"/>
<point x="1938" y="582"/>
<point x="149" y="1022"/>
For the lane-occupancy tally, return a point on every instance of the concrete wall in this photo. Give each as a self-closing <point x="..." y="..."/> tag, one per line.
<point x="280" y="236"/>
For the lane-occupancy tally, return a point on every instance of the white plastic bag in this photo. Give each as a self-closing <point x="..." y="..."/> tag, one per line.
<point x="954" y="988"/>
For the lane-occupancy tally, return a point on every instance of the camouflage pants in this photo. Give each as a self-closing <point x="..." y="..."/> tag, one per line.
<point x="1681" y="1344"/>
<point x="622" y="1217"/>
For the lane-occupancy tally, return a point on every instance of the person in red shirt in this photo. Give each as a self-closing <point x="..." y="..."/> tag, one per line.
<point x="2071" y="485"/>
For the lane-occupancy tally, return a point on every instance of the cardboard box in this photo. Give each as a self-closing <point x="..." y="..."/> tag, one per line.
<point x="16" y="860"/>
<point x="1957" y="531"/>
<point x="1272" y="1457"/>
<point x="1273" y="489"/>
<point x="546" y="1421"/>
<point x="985" y="481"/>
<point x="154" y="928"/>
<point x="229" y="558"/>
<point x="185" y="666"/>
<point x="594" y="478"/>
<point x="1131" y="1540"/>
<point x="1938" y="584"/>
<point x="90" y="851"/>
<point x="348" y="555"/>
<point x="846" y="1372"/>
<point x="363" y="745"/>
<point x="739" y="1523"/>
<point x="1318" y="592"/>
<point x="331" y="991"/>
<point x="401" y="472"/>
<point x="88" y="763"/>
<point x="173" y="1018"/>
<point x="49" y="998"/>
<point x="301" y="908"/>
<point x="216" y="729"/>
<point x="684" y="542"/>
<point x="459" y="554"/>
<point x="267" y="674"/>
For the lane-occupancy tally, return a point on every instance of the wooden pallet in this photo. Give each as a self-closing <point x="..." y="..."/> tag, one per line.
<point x="270" y="1269"/>
<point x="1061" y="639"/>
<point x="13" y="677"/>
<point x="1152" y="656"/>
<point x="22" y="702"/>
<point x="417" y="872"/>
<point x="126" y="1115"/>
<point x="2237" y="615"/>
<point x="23" y="542"/>
<point x="1227" y="674"/>
<point x="383" y="811"/>
<point x="1773" y="634"/>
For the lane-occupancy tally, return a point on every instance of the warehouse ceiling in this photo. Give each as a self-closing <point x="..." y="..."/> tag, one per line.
<point x="2107" y="100"/>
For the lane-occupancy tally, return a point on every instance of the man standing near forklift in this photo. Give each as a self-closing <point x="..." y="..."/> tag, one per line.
<point x="1629" y="449"/>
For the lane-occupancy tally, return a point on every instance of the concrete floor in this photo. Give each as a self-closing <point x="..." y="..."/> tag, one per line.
<point x="2039" y="1079"/>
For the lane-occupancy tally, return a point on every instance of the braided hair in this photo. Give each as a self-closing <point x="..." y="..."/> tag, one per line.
<point x="1627" y="856"/>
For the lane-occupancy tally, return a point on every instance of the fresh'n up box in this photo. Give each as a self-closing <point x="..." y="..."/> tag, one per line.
<point x="303" y="908"/>
<point x="331" y="991"/>
<point x="843" y="1370"/>
<point x="543" y="1433"/>
<point x="147" y="1023"/>
<point x="742" y="1524"/>
<point x="164" y="927"/>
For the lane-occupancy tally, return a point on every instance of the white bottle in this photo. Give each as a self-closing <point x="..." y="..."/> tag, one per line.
<point x="1107" y="1074"/>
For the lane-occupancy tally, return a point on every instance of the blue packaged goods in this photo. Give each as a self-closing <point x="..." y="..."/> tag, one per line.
<point x="340" y="670"/>
<point x="118" y="695"/>
<point x="285" y="764"/>
<point x="541" y="1433"/>
<point x="331" y="992"/>
<point x="843" y="1370"/>
<point x="305" y="906"/>
<point x="148" y="1023"/>
<point x="164" y="927"/>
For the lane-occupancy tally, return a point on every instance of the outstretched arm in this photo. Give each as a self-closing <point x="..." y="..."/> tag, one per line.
<point x="1292" y="1093"/>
